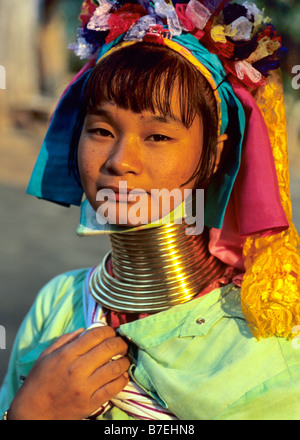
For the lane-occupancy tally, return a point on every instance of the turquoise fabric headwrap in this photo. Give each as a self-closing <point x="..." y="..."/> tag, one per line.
<point x="52" y="180"/>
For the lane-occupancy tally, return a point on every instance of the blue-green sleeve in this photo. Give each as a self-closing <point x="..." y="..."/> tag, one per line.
<point x="57" y="310"/>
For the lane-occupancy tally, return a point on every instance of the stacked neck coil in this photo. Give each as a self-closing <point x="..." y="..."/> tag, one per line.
<point x="154" y="269"/>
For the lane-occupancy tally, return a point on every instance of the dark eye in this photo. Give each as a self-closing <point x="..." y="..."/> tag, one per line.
<point x="159" y="138"/>
<point x="102" y="132"/>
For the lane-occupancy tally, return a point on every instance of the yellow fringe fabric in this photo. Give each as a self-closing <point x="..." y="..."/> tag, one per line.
<point x="270" y="293"/>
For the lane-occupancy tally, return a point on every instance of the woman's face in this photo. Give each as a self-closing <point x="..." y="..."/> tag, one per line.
<point x="127" y="152"/>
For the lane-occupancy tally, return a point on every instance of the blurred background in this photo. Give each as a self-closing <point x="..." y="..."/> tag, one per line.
<point x="38" y="239"/>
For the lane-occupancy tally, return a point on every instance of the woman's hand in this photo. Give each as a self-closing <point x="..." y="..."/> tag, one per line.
<point x="73" y="377"/>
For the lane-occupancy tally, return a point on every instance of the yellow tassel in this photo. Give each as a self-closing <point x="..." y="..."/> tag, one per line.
<point x="270" y="293"/>
<point x="219" y="33"/>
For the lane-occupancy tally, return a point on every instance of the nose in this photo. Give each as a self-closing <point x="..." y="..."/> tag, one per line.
<point x="125" y="156"/>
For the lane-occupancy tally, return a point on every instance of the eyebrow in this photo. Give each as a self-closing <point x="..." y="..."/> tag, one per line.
<point x="155" y="118"/>
<point x="99" y="112"/>
<point x="165" y="119"/>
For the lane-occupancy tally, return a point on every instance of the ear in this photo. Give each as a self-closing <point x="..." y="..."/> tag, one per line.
<point x="220" y="145"/>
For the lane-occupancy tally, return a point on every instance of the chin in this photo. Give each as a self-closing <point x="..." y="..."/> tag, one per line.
<point x="130" y="214"/>
<point x="121" y="215"/>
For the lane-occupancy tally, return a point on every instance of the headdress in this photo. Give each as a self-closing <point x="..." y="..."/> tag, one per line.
<point x="248" y="210"/>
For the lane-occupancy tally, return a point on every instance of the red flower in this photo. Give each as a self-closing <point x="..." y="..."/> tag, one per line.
<point x="230" y="67"/>
<point x="225" y="49"/>
<point x="122" y="19"/>
<point x="270" y="32"/>
<point x="180" y="11"/>
<point x="87" y="11"/>
<point x="187" y="23"/>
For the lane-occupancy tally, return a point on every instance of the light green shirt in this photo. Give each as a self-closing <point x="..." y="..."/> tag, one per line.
<point x="199" y="359"/>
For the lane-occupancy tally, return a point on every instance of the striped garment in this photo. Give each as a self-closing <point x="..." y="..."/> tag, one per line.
<point x="136" y="403"/>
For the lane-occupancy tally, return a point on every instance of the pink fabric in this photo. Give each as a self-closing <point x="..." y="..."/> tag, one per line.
<point x="254" y="206"/>
<point x="256" y="191"/>
<point x="226" y="243"/>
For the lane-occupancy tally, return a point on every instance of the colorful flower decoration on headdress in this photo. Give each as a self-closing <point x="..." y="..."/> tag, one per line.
<point x="242" y="37"/>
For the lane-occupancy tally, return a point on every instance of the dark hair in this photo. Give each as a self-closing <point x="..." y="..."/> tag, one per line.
<point x="141" y="77"/>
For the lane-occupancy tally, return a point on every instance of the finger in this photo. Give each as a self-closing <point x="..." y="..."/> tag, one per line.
<point x="95" y="324"/>
<point x="90" y="339"/>
<point x="109" y="391"/>
<point x="107" y="350"/>
<point x="108" y="372"/>
<point x="62" y="341"/>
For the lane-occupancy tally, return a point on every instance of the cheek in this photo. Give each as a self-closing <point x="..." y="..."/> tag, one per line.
<point x="190" y="162"/>
<point x="176" y="170"/>
<point x="87" y="176"/>
<point x="82" y="166"/>
<point x="87" y="165"/>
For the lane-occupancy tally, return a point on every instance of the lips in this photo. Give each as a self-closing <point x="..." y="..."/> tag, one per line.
<point x="121" y="193"/>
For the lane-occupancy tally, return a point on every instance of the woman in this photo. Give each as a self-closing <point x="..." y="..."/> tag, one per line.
<point x="167" y="322"/>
